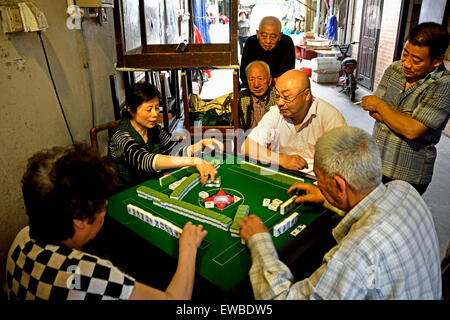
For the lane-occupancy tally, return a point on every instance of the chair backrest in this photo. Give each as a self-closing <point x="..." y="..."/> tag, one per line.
<point x="93" y="132"/>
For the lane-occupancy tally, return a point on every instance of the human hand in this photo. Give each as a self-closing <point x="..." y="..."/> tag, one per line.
<point x="293" y="162"/>
<point x="251" y="225"/>
<point x="213" y="144"/>
<point x="192" y="236"/>
<point x="371" y="103"/>
<point x="313" y="194"/>
<point x="205" y="170"/>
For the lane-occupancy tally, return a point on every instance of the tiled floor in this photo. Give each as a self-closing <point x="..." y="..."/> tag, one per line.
<point x="437" y="196"/>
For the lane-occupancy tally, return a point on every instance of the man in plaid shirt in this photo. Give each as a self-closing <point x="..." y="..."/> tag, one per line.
<point x="256" y="101"/>
<point x="387" y="245"/>
<point x="411" y="107"/>
<point x="65" y="192"/>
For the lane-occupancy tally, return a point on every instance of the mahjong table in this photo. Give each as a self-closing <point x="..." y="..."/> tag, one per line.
<point x="223" y="259"/>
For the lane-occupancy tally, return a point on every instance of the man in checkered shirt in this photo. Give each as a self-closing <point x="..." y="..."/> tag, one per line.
<point x="411" y="107"/>
<point x="387" y="245"/>
<point x="65" y="192"/>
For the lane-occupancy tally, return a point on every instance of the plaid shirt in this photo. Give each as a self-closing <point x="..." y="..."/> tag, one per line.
<point x="259" y="109"/>
<point x="249" y="114"/>
<point x="427" y="101"/>
<point x="36" y="271"/>
<point x="387" y="248"/>
<point x="134" y="159"/>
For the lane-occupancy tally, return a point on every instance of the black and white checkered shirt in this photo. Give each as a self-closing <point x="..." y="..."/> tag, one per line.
<point x="56" y="272"/>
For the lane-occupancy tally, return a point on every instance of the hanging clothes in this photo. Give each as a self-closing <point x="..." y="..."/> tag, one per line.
<point x="199" y="39"/>
<point x="332" y="28"/>
<point x="200" y="19"/>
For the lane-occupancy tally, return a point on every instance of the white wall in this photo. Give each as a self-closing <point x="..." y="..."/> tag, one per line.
<point x="432" y="10"/>
<point x="81" y="61"/>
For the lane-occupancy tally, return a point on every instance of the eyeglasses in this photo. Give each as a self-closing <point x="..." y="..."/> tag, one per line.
<point x="287" y="99"/>
<point x="271" y="36"/>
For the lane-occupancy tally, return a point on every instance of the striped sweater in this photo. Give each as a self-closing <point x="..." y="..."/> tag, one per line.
<point x="134" y="159"/>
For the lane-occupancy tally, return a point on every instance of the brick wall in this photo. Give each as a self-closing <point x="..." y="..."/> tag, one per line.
<point x="387" y="38"/>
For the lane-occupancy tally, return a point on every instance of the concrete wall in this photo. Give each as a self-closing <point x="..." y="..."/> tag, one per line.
<point x="31" y="119"/>
<point x="358" y="7"/>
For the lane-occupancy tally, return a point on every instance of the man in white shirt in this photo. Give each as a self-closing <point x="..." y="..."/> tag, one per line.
<point x="286" y="135"/>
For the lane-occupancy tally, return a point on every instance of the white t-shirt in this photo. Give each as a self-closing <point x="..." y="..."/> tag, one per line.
<point x="278" y="132"/>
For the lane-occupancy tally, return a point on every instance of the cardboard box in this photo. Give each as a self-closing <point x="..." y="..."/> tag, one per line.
<point x="315" y="44"/>
<point x="325" y="65"/>
<point x="306" y="36"/>
<point x="325" y="77"/>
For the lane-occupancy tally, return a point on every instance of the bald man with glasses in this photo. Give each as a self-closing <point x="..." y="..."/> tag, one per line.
<point x="286" y="135"/>
<point x="271" y="46"/>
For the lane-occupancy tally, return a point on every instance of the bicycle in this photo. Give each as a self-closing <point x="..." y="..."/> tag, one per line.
<point x="348" y="65"/>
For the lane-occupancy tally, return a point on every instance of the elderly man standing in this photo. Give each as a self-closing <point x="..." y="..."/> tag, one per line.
<point x="255" y="101"/>
<point x="270" y="45"/>
<point x="286" y="135"/>
<point x="387" y="246"/>
<point x="411" y="107"/>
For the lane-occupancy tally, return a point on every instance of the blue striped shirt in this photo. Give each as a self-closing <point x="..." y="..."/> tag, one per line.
<point x="387" y="248"/>
<point x="427" y="101"/>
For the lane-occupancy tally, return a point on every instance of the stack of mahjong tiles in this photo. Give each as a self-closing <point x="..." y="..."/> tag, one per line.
<point x="270" y="173"/>
<point x="214" y="183"/>
<point x="241" y="212"/>
<point x="288" y="205"/>
<point x="185" y="186"/>
<point x="185" y="208"/>
<point x="175" y="184"/>
<point x="284" y="225"/>
<point x="275" y="204"/>
<point x="155" y="221"/>
<point x="178" y="174"/>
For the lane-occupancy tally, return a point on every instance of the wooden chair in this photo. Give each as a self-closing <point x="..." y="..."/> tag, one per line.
<point x="93" y="132"/>
<point x="229" y="145"/>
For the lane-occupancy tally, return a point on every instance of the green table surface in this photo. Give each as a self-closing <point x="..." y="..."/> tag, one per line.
<point x="221" y="258"/>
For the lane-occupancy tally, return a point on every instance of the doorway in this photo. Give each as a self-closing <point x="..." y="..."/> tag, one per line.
<point x="370" y="32"/>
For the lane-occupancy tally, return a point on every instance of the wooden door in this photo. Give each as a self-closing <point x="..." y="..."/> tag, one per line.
<point x="370" y="31"/>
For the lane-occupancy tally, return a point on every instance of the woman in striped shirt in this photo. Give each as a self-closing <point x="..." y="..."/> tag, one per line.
<point x="140" y="149"/>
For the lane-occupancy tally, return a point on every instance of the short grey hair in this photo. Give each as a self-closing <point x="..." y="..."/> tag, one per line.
<point x="350" y="153"/>
<point x="270" y="20"/>
<point x="263" y="63"/>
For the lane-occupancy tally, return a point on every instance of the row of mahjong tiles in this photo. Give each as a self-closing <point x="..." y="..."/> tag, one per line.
<point x="242" y="210"/>
<point x="184" y="208"/>
<point x="181" y="187"/>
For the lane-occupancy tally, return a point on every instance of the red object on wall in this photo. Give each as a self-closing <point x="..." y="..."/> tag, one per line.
<point x="302" y="53"/>
<point x="308" y="71"/>
<point x="198" y="39"/>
